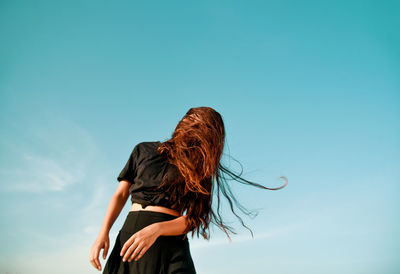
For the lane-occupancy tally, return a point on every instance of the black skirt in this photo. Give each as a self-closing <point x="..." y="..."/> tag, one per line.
<point x="167" y="255"/>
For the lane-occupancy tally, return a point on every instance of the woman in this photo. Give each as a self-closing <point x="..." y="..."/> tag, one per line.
<point x="171" y="185"/>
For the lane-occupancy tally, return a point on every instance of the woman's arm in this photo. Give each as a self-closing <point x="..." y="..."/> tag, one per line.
<point x="173" y="227"/>
<point x="114" y="208"/>
<point x="117" y="202"/>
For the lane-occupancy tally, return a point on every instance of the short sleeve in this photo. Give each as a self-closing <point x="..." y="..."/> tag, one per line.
<point x="128" y="173"/>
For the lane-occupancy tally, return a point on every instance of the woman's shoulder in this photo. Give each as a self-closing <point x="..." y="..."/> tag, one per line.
<point x="147" y="144"/>
<point x="146" y="147"/>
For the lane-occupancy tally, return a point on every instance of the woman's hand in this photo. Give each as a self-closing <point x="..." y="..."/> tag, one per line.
<point x="140" y="242"/>
<point x="102" y="241"/>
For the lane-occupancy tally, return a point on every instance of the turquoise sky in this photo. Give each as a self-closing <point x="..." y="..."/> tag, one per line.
<point x="308" y="89"/>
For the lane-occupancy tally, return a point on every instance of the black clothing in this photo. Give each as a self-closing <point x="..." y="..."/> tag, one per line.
<point x="144" y="170"/>
<point x="167" y="255"/>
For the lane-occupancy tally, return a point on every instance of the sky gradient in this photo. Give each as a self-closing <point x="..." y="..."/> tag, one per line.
<point x="309" y="90"/>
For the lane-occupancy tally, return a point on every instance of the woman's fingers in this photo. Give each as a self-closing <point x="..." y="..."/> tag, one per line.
<point x="144" y="250"/>
<point x="139" y="252"/>
<point x="130" y="250"/>
<point x="127" y="244"/>
<point x="96" y="258"/>
<point x="106" y="246"/>
<point x="93" y="260"/>
<point x="135" y="252"/>
<point x="93" y="263"/>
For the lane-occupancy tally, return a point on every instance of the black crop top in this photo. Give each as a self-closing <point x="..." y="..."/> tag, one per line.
<point x="144" y="170"/>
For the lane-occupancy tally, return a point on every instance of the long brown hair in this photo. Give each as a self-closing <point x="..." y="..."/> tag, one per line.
<point x="195" y="149"/>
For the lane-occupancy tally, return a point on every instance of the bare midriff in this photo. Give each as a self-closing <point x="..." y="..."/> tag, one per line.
<point x="138" y="207"/>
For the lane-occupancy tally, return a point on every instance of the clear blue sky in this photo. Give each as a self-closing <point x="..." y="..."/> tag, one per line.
<point x="307" y="89"/>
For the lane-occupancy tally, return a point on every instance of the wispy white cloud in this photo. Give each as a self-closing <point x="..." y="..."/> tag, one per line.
<point x="44" y="159"/>
<point x="40" y="173"/>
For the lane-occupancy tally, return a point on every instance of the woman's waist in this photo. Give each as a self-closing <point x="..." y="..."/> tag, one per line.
<point x="138" y="207"/>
